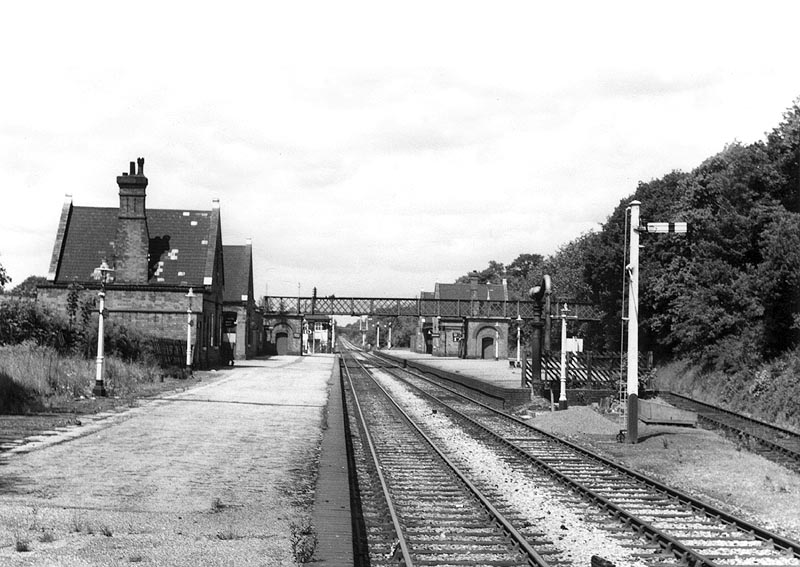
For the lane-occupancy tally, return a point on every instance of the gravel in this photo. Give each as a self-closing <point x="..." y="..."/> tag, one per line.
<point x="579" y="540"/>
<point x="209" y="477"/>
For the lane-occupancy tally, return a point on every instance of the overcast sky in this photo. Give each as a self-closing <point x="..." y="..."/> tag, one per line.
<point x="376" y="148"/>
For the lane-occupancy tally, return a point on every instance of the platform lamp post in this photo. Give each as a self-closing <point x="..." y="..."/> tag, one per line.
<point x="106" y="276"/>
<point x="189" y="322"/>
<point x="562" y="397"/>
<point x="497" y="341"/>
<point x="519" y="336"/>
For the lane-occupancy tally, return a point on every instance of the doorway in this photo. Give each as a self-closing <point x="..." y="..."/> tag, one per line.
<point x="282" y="343"/>
<point x="487" y="347"/>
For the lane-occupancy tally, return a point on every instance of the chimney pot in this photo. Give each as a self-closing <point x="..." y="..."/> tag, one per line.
<point x="140" y="162"/>
<point x="133" y="168"/>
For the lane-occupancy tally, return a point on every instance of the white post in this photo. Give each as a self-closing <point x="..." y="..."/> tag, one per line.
<point x="389" y="343"/>
<point x="99" y="387"/>
<point x="333" y="334"/>
<point x="519" y="331"/>
<point x="633" y="326"/>
<point x="378" y="336"/>
<point x="562" y="397"/>
<point x="496" y="341"/>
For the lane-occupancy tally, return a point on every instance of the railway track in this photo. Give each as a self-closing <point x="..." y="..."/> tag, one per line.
<point x="537" y="478"/>
<point x="774" y="443"/>
<point x="418" y="507"/>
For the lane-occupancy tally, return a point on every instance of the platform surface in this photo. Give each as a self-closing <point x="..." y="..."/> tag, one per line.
<point x="495" y="372"/>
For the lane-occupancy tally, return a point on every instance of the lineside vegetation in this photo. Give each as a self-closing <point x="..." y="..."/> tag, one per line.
<point x="47" y="360"/>
<point x="723" y="299"/>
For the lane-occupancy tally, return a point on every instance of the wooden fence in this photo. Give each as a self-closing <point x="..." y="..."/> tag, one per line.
<point x="585" y="369"/>
<point x="169" y="352"/>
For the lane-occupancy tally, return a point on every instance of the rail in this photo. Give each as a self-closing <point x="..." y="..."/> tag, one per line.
<point x="670" y="543"/>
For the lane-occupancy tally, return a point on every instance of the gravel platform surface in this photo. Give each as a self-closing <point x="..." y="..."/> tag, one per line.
<point x="206" y="477"/>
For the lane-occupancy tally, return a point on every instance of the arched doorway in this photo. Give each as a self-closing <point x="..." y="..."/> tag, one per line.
<point x="487" y="347"/>
<point x="282" y="343"/>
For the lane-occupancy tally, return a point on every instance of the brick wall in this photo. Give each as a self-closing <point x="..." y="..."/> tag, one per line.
<point x="132" y="242"/>
<point x="159" y="313"/>
<point x="477" y="329"/>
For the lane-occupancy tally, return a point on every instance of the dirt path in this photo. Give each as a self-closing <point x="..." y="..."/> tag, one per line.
<point x="201" y="478"/>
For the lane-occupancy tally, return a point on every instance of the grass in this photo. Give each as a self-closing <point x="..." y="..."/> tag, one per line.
<point x="303" y="540"/>
<point x="767" y="391"/>
<point x="34" y="377"/>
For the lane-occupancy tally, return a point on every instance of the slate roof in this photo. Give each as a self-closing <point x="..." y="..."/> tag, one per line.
<point x="180" y="242"/>
<point x="495" y="292"/>
<point x="238" y="262"/>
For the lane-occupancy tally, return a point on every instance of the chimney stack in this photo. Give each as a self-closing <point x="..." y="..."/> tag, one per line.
<point x="133" y="240"/>
<point x="473" y="284"/>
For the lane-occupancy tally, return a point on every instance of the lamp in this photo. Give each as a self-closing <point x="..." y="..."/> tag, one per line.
<point x="105" y="275"/>
<point x="497" y="341"/>
<point x="191" y="295"/>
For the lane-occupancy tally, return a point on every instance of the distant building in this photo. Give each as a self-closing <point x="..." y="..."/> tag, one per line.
<point x="476" y="336"/>
<point x="243" y="332"/>
<point x="158" y="255"/>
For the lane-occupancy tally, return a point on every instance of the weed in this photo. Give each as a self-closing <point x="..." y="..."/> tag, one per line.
<point x="34" y="525"/>
<point x="217" y="505"/>
<point x="21" y="544"/>
<point x="135" y="559"/>
<point x="227" y="534"/>
<point x="80" y="524"/>
<point x="303" y="539"/>
<point x="665" y="442"/>
<point x="47" y="536"/>
<point x="106" y="531"/>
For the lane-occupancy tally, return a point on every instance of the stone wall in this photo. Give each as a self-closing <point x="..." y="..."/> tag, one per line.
<point x="158" y="313"/>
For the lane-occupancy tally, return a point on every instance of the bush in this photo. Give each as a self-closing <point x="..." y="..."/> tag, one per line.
<point x="30" y="372"/>
<point x="14" y="397"/>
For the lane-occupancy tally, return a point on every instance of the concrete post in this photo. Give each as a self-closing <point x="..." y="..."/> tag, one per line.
<point x="633" y="326"/>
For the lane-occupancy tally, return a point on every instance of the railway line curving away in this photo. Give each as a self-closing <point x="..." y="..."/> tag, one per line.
<point x="774" y="443"/>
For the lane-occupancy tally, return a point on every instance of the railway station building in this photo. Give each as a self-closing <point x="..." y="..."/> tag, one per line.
<point x="157" y="257"/>
<point x="475" y="336"/>
<point x="243" y="331"/>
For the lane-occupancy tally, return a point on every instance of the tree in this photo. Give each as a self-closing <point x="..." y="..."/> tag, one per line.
<point x="493" y="274"/>
<point x="28" y="286"/>
<point x="778" y="283"/>
<point x="4" y="278"/>
<point x="783" y="147"/>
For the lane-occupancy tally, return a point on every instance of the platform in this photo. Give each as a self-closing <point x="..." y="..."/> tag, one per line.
<point x="657" y="413"/>
<point x="493" y="378"/>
